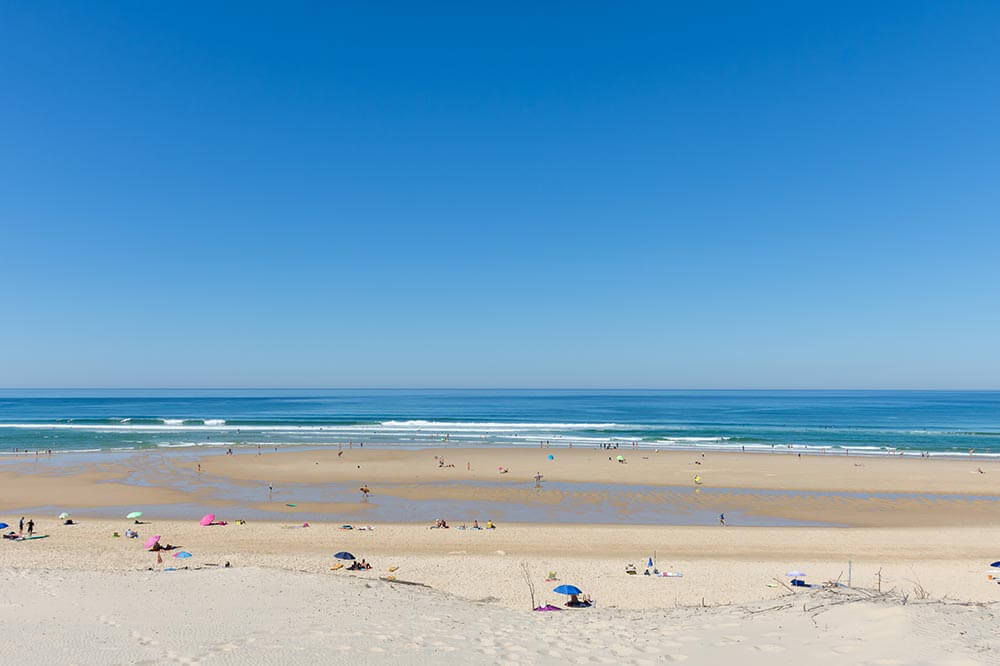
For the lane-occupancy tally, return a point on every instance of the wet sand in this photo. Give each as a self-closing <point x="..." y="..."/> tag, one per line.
<point x="642" y="467"/>
<point x="577" y="486"/>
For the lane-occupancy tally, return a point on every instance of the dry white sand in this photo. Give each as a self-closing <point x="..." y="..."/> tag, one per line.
<point x="720" y="565"/>
<point x="258" y="616"/>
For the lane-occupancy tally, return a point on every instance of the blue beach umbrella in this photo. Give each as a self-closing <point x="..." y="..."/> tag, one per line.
<point x="995" y="564"/>
<point x="183" y="555"/>
<point x="567" y="589"/>
<point x="344" y="555"/>
<point x="3" y="526"/>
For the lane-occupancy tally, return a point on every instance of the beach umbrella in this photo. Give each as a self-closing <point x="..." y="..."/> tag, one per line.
<point x="207" y="519"/>
<point x="3" y="526"/>
<point x="344" y="555"/>
<point x="151" y="541"/>
<point x="134" y="514"/>
<point x="620" y="458"/>
<point x="182" y="555"/>
<point x="567" y="589"/>
<point x="796" y="574"/>
<point x="551" y="457"/>
<point x="63" y="516"/>
<point x="995" y="564"/>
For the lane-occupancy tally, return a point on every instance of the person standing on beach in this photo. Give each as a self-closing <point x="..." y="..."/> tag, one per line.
<point x="31" y="526"/>
<point x="20" y="526"/>
<point x="722" y="519"/>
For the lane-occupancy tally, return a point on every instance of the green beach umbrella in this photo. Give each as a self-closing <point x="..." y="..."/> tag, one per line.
<point x="134" y="514"/>
<point x="63" y="516"/>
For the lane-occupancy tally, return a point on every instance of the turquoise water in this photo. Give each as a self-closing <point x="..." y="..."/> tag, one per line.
<point x="938" y="422"/>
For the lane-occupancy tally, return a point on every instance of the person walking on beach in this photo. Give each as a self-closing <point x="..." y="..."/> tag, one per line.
<point x="722" y="519"/>
<point x="31" y="526"/>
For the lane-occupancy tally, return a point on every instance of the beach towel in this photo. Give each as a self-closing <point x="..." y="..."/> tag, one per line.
<point x="336" y="566"/>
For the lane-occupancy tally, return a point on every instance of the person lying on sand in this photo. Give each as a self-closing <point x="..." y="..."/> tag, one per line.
<point x="159" y="546"/>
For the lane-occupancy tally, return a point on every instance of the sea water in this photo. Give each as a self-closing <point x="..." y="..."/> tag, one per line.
<point x="834" y="422"/>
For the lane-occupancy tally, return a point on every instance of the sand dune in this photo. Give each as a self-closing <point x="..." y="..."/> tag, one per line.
<point x="257" y="616"/>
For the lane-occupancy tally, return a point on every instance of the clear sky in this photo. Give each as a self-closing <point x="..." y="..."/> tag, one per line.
<point x="568" y="195"/>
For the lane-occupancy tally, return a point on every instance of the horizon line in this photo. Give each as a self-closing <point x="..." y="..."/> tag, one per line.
<point x="471" y="388"/>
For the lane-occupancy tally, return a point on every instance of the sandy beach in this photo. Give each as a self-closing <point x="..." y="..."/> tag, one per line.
<point x="914" y="544"/>
<point x="834" y="472"/>
<point x="289" y="617"/>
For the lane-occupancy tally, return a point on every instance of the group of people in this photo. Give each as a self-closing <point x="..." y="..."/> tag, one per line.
<point x="441" y="523"/>
<point x="359" y="565"/>
<point x="20" y="530"/>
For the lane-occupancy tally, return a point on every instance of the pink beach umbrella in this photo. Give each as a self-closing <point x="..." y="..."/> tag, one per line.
<point x="208" y="519"/>
<point x="151" y="541"/>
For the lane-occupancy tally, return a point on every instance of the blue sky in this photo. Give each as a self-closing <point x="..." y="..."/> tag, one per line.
<point x="570" y="195"/>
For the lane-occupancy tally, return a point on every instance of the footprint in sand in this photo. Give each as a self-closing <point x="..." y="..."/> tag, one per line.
<point x="768" y="647"/>
<point x="146" y="641"/>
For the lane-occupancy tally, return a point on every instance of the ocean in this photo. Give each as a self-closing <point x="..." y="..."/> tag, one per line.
<point x="874" y="422"/>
